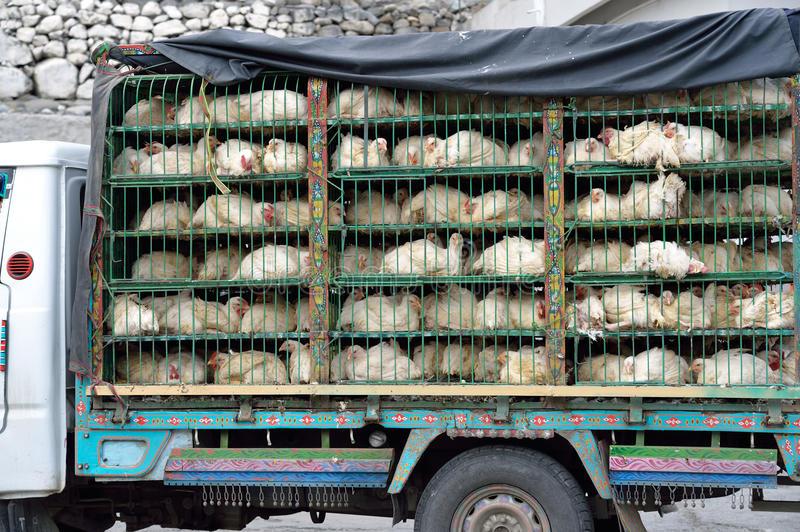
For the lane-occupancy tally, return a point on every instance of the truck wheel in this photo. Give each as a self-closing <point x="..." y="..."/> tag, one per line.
<point x="500" y="488"/>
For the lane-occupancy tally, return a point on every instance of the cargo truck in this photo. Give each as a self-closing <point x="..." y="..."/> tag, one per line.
<point x="297" y="293"/>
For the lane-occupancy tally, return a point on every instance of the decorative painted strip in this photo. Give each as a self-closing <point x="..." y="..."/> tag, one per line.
<point x="651" y="478"/>
<point x="300" y="466"/>
<point x="318" y="230"/>
<point x="554" y="239"/>
<point x="585" y="444"/>
<point x="789" y="447"/>
<point x="692" y="465"/>
<point x="795" y="109"/>
<point x="278" y="478"/>
<point x="711" y="453"/>
<point x="418" y="440"/>
<point x="669" y="421"/>
<point x="199" y="453"/>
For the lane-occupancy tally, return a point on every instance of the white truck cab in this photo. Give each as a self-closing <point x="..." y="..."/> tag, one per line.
<point x="41" y="196"/>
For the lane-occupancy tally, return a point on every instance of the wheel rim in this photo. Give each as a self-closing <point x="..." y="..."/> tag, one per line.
<point x="500" y="508"/>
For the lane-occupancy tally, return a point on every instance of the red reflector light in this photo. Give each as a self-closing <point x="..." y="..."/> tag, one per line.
<point x="19" y="265"/>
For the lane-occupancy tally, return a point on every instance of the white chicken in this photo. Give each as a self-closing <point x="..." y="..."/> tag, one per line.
<point x="499" y="207"/>
<point x="236" y="158"/>
<point x="451" y="308"/>
<point x="132" y="317"/>
<point x="385" y="361"/>
<point x="768" y="147"/>
<point x="697" y="144"/>
<point x="640" y="145"/>
<point x="370" y="207"/>
<point x="512" y="255"/>
<point x="493" y="312"/>
<point x="766" y="200"/>
<point x="266" y="105"/>
<point x="599" y="256"/>
<point x="382" y="313"/>
<point x="248" y="367"/>
<point x="721" y="204"/>
<point x="129" y="161"/>
<point x="488" y="363"/>
<point x="304" y="314"/>
<point x="273" y="262"/>
<point x="359" y="259"/>
<point x="655" y="200"/>
<point x="233" y="210"/>
<point x="138" y="368"/>
<point x="195" y="316"/>
<point x="190" y="112"/>
<point x="527" y="311"/>
<point x="470" y="148"/>
<point x="597" y="206"/>
<point x="182" y="367"/>
<point x="427" y="358"/>
<point x="297" y="212"/>
<point x="733" y="366"/>
<point x="783" y="362"/>
<point x="527" y="152"/>
<point x="350" y="153"/>
<point x="416" y="151"/>
<point x="769" y="309"/>
<point x="160" y="265"/>
<point x="656" y="365"/>
<point x="529" y="365"/>
<point x="280" y="156"/>
<point x="424" y="257"/>
<point x="629" y="307"/>
<point x="584" y="311"/>
<point x="691" y="206"/>
<point x="665" y="259"/>
<point x="269" y="317"/>
<point x="166" y="215"/>
<point x="582" y="154"/>
<point x="179" y="158"/>
<point x="603" y="368"/>
<point x="437" y="204"/>
<point x="457" y="360"/>
<point x="350" y="103"/>
<point x="154" y="111"/>
<point x="219" y="264"/>
<point x="687" y="311"/>
<point x="718" y="257"/>
<point x="304" y="368"/>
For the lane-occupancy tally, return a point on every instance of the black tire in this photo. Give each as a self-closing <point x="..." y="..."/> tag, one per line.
<point x="547" y="482"/>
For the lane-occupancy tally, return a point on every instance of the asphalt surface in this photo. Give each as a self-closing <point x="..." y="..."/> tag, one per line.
<point x="717" y="516"/>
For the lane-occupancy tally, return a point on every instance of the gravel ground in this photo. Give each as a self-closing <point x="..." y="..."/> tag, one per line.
<point x="717" y="516"/>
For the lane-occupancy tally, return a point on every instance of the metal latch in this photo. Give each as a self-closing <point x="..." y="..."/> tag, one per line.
<point x="635" y="414"/>
<point x="245" y="414"/>
<point x="774" y="413"/>
<point x="373" y="408"/>
<point x="502" y="409"/>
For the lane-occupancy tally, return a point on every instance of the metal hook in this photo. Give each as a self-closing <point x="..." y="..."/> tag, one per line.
<point x="352" y="439"/>
<point x="196" y="438"/>
<point x="269" y="439"/>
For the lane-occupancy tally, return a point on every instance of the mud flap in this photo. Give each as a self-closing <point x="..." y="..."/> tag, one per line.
<point x="399" y="508"/>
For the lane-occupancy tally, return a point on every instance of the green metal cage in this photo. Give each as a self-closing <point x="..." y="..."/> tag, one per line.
<point x="299" y="231"/>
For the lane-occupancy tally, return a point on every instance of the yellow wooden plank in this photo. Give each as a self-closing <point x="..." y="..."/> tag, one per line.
<point x="447" y="390"/>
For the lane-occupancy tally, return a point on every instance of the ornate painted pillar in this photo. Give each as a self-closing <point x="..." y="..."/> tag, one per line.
<point x="318" y="280"/>
<point x="554" y="239"/>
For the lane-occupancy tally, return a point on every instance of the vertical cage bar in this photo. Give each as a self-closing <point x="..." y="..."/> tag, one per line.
<point x="554" y="238"/>
<point x="795" y="110"/>
<point x="318" y="230"/>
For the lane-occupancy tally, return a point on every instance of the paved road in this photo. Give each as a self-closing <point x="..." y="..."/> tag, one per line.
<point x="717" y="516"/>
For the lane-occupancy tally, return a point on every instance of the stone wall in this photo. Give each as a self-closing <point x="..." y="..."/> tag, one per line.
<point x="44" y="44"/>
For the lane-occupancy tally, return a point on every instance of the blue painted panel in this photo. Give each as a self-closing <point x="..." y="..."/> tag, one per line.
<point x="102" y="453"/>
<point x="650" y="478"/>
<point x="661" y="420"/>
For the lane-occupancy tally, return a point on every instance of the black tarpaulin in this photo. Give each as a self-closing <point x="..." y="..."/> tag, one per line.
<point x="543" y="61"/>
